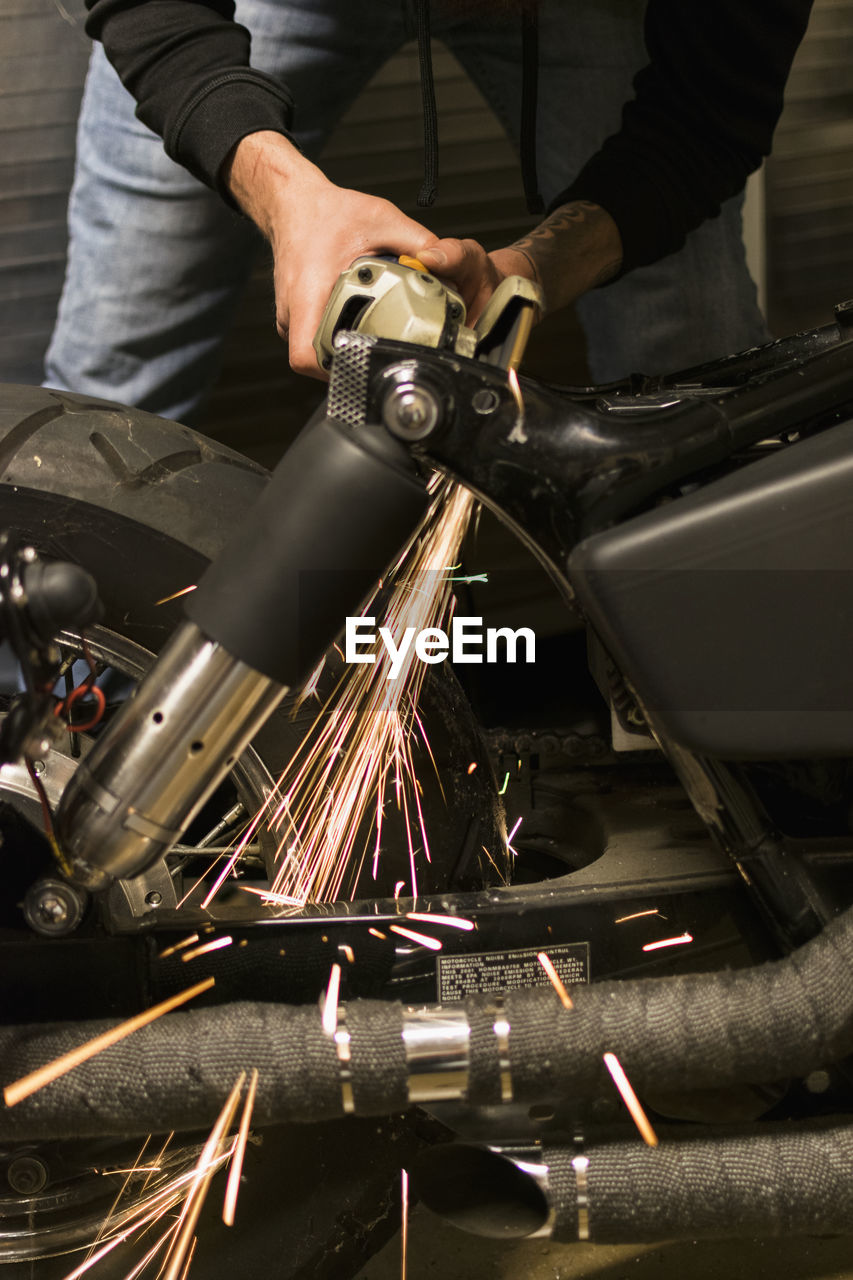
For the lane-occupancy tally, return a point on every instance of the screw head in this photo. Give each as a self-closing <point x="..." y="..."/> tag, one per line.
<point x="411" y="411"/>
<point x="365" y="275"/>
<point x="154" y="898"/>
<point x="53" y="908"/>
<point x="27" y="1175"/>
<point x="486" y="400"/>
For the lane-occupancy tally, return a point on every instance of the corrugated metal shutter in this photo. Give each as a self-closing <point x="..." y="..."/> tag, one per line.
<point x="810" y="177"/>
<point x="43" y="57"/>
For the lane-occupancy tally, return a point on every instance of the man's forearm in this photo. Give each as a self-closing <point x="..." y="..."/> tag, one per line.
<point x="576" y="248"/>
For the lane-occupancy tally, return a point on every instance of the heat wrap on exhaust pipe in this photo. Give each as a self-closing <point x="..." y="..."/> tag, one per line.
<point x="787" y="1017"/>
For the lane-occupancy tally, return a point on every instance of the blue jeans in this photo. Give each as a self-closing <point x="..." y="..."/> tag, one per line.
<point x="157" y="261"/>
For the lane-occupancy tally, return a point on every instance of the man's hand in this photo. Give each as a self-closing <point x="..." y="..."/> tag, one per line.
<point x="316" y="230"/>
<point x="574" y="249"/>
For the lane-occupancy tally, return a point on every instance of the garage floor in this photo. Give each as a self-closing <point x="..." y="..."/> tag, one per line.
<point x="436" y="1250"/>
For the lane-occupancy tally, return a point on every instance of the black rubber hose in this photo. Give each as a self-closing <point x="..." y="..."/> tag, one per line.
<point x="771" y="1180"/>
<point x="788" y="1017"/>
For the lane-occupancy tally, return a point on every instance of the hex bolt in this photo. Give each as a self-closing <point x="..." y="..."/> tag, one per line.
<point x="365" y="275"/>
<point x="411" y="411"/>
<point x="27" y="1175"/>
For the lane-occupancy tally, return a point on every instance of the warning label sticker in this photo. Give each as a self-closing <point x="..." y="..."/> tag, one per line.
<point x="461" y="976"/>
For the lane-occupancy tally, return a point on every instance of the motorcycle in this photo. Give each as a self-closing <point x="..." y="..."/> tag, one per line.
<point x="685" y="862"/>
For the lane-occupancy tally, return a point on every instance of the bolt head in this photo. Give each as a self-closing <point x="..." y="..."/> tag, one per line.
<point x="486" y="400"/>
<point x="53" y="907"/>
<point x="27" y="1175"/>
<point x="365" y="275"/>
<point x="411" y="411"/>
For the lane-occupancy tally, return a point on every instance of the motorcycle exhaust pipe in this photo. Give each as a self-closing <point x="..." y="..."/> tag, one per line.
<point x="770" y="1179"/>
<point x="336" y="512"/>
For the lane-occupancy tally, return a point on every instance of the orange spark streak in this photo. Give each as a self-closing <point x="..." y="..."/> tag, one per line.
<point x="216" y="945"/>
<point x="376" y="933"/>
<point x="20" y="1089"/>
<point x="208" y="1163"/>
<point x="330" y="1001"/>
<point x="420" y="938"/>
<point x="277" y="899"/>
<point x="455" y="922"/>
<point x="348" y="951"/>
<point x="637" y="915"/>
<point x="629" y="1097"/>
<point x="556" y="980"/>
<point x="183" y="592"/>
<point x="404" y="1223"/>
<point x="233" y="1187"/>
<point x="472" y="766"/>
<point x="190" y="1257"/>
<point x="669" y="942"/>
<point x="185" y="942"/>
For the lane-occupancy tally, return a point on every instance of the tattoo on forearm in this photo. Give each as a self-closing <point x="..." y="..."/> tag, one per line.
<point x="574" y="242"/>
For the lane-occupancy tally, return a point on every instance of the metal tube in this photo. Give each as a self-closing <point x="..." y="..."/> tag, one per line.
<point x="170" y="745"/>
<point x="437" y="1054"/>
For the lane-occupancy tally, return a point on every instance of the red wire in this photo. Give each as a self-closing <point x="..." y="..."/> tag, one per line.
<point x="87" y="686"/>
<point x="64" y="707"/>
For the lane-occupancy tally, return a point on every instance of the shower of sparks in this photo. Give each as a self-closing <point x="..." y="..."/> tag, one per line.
<point x="233" y="1188"/>
<point x="29" y="1084"/>
<point x="139" y="1218"/>
<point x="629" y="1097"/>
<point x="184" y="591"/>
<point x="669" y="942"/>
<point x="404" y="1222"/>
<point x="129" y="1174"/>
<point x="504" y="784"/>
<point x="236" y="854"/>
<point x="179" y="946"/>
<point x="638" y="915"/>
<point x="359" y="755"/>
<point x="330" y="1001"/>
<point x="212" y="1156"/>
<point x="277" y="899"/>
<point x="454" y="922"/>
<point x="422" y="939"/>
<point x="216" y="945"/>
<point x="556" y="980"/>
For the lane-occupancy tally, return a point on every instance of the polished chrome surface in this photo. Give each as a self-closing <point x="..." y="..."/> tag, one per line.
<point x="342" y="1049"/>
<point x="157" y="763"/>
<point x="437" y="1053"/>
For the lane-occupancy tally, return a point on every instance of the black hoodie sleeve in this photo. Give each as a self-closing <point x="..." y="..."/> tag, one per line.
<point x="701" y="119"/>
<point x="187" y="64"/>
